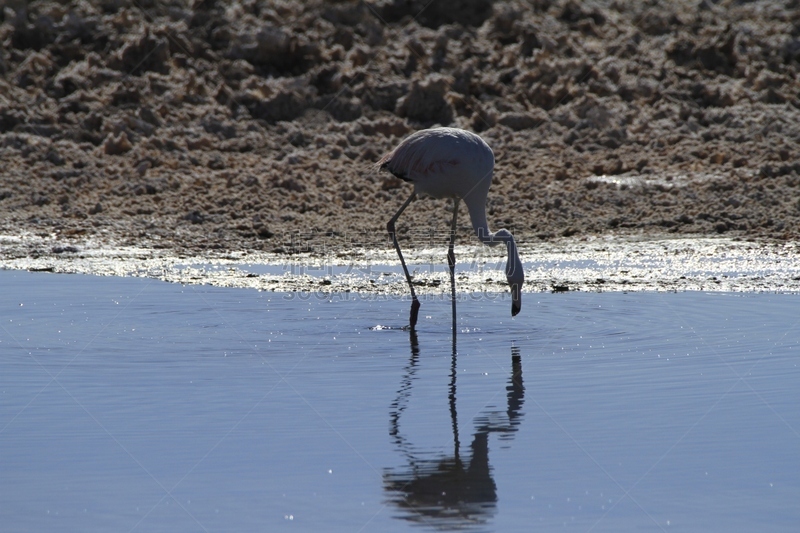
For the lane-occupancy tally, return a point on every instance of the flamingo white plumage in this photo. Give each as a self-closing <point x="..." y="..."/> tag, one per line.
<point x="458" y="164"/>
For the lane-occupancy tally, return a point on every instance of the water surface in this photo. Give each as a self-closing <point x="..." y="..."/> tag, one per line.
<point x="136" y="405"/>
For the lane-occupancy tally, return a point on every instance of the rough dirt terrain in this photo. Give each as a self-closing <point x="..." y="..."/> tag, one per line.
<point x="205" y="127"/>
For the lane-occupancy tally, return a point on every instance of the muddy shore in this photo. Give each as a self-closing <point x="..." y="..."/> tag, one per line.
<point x="203" y="127"/>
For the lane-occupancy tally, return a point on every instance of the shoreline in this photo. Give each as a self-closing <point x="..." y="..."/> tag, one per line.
<point x="597" y="264"/>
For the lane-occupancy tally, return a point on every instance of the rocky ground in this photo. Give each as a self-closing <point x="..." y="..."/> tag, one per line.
<point x="248" y="125"/>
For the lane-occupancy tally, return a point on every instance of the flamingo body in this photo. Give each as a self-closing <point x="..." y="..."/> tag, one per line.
<point x="443" y="163"/>
<point x="458" y="164"/>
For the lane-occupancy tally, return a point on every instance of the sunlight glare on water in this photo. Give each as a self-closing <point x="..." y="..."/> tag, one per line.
<point x="135" y="405"/>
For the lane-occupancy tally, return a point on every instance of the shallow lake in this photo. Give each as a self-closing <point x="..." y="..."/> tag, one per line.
<point x="130" y="404"/>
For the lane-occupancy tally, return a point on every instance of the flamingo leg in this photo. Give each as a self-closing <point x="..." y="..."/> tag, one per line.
<point x="391" y="229"/>
<point x="451" y="260"/>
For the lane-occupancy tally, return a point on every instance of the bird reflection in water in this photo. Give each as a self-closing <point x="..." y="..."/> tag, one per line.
<point x="450" y="492"/>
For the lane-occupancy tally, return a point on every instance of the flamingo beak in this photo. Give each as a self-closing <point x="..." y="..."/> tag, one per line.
<point x="516" y="299"/>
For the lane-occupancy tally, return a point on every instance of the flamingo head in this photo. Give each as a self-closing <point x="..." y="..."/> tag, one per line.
<point x="514" y="271"/>
<point x="516" y="299"/>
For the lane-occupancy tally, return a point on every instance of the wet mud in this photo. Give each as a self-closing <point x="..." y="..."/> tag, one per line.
<point x="203" y="128"/>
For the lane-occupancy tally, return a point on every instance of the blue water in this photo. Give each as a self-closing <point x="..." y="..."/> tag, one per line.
<point x="134" y="405"/>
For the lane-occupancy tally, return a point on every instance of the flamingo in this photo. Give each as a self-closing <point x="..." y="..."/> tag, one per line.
<point x="458" y="164"/>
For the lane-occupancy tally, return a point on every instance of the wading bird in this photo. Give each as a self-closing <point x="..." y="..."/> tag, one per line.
<point x="451" y="163"/>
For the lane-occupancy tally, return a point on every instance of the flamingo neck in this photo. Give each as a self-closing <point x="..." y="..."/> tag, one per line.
<point x="514" y="272"/>
<point x="477" y="214"/>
